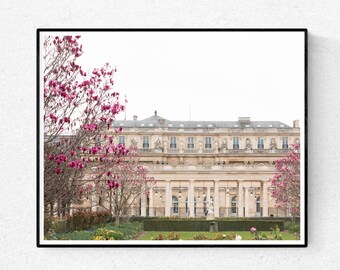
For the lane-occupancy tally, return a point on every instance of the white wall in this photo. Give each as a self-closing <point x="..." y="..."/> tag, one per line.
<point x="19" y="20"/>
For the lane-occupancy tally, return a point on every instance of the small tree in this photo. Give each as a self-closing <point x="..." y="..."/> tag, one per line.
<point x="122" y="183"/>
<point x="78" y="108"/>
<point x="286" y="182"/>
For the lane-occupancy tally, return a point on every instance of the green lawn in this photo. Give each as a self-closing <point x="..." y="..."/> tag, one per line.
<point x="187" y="235"/>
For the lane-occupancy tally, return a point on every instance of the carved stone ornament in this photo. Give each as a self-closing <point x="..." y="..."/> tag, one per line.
<point x="133" y="142"/>
<point x="248" y="144"/>
<point x="158" y="144"/>
<point x="273" y="145"/>
<point x="224" y="144"/>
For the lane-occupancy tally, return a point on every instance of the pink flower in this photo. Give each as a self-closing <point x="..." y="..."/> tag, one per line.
<point x="93" y="150"/>
<point x="58" y="171"/>
<point x="252" y="229"/>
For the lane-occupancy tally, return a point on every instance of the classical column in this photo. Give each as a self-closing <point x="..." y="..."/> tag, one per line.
<point x="227" y="202"/>
<point x="208" y="196"/>
<point x="217" y="199"/>
<point x="240" y="199"/>
<point x="191" y="199"/>
<point x="165" y="146"/>
<point x="151" y="207"/>
<point x="264" y="196"/>
<point x="246" y="202"/>
<point x="167" y="198"/>
<point x="143" y="203"/>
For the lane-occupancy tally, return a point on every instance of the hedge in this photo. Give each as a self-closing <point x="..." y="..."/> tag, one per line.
<point x="204" y="225"/>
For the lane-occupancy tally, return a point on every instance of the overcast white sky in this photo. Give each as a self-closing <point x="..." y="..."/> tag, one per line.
<point x="223" y="75"/>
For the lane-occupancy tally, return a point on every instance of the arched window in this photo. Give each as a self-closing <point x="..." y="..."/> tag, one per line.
<point x="233" y="205"/>
<point x="174" y="205"/>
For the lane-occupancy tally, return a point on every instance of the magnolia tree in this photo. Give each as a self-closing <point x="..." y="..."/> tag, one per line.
<point x="79" y="109"/>
<point x="122" y="184"/>
<point x="286" y="182"/>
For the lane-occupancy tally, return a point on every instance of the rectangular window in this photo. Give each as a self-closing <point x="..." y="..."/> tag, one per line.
<point x="145" y="142"/>
<point x="235" y="143"/>
<point x="284" y="142"/>
<point x="191" y="142"/>
<point x="122" y="140"/>
<point x="207" y="142"/>
<point x="173" y="142"/>
<point x="260" y="143"/>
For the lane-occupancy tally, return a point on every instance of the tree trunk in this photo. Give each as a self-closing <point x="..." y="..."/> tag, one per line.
<point x="117" y="220"/>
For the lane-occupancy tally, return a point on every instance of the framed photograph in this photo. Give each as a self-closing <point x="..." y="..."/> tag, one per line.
<point x="172" y="137"/>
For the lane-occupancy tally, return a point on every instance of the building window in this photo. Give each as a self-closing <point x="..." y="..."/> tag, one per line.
<point x="207" y="142"/>
<point x="122" y="140"/>
<point x="174" y="205"/>
<point x="260" y="143"/>
<point x="173" y="142"/>
<point x="258" y="204"/>
<point x="233" y="205"/>
<point x="191" y="142"/>
<point x="285" y="143"/>
<point x="145" y="142"/>
<point x="236" y="143"/>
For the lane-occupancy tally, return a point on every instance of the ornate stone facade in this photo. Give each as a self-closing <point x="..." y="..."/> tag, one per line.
<point x="209" y="167"/>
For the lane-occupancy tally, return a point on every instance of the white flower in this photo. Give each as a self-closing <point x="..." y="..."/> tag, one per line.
<point x="238" y="237"/>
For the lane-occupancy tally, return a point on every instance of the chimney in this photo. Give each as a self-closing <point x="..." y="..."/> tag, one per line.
<point x="296" y="123"/>
<point x="244" y="120"/>
<point x="135" y="118"/>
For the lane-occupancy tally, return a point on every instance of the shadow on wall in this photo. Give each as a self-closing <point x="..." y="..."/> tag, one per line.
<point x="323" y="121"/>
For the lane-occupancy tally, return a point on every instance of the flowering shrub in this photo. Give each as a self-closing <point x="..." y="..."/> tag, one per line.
<point x="105" y="234"/>
<point x="170" y="236"/>
<point x="84" y="220"/>
<point x="225" y="236"/>
<point x="109" y="232"/>
<point x="200" y="237"/>
<point x="274" y="234"/>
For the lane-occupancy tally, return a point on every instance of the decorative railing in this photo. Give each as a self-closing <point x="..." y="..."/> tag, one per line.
<point x="220" y="151"/>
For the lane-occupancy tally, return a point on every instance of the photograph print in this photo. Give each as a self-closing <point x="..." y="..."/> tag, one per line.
<point x="172" y="137"/>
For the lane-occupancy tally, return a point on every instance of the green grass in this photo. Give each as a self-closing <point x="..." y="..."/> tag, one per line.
<point x="187" y="235"/>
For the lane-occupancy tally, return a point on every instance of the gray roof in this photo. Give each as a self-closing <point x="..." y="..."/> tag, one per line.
<point x="158" y="121"/>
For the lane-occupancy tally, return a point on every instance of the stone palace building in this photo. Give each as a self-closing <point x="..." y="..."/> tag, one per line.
<point x="199" y="166"/>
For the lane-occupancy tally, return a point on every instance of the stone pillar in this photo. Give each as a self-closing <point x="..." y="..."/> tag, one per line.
<point x="216" y="148"/>
<point x="227" y="202"/>
<point x="200" y="150"/>
<point x="143" y="203"/>
<point x="167" y="199"/>
<point x="191" y="198"/>
<point x="240" y="199"/>
<point x="151" y="208"/>
<point x="165" y="146"/>
<point x="208" y="197"/>
<point x="217" y="199"/>
<point x="264" y="188"/>
<point x="246" y="202"/>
